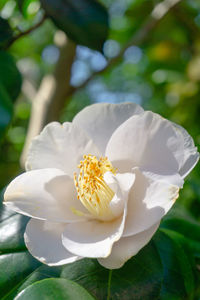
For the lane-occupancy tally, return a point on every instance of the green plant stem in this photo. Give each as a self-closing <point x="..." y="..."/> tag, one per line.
<point x="109" y="284"/>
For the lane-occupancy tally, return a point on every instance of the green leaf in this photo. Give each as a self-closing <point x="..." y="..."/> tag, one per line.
<point x="180" y="221"/>
<point x="14" y="268"/>
<point x="191" y="229"/>
<point x="10" y="77"/>
<point x="2" y="3"/>
<point x="12" y="233"/>
<point x="6" y="109"/>
<point x="15" y="262"/>
<point x="10" y="86"/>
<point x="6" y="32"/>
<point x="20" y="4"/>
<point x="139" y="278"/>
<point x="179" y="281"/>
<point x="84" y="21"/>
<point x="18" y="269"/>
<point x="42" y="272"/>
<point x="55" y="289"/>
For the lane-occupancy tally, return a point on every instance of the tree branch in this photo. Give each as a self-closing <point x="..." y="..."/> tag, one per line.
<point x="50" y="98"/>
<point x="189" y="23"/>
<point x="23" y="33"/>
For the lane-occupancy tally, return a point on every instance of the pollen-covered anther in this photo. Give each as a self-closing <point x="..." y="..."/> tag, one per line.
<point x="91" y="188"/>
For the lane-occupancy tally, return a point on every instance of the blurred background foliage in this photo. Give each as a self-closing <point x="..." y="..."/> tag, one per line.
<point x="161" y="72"/>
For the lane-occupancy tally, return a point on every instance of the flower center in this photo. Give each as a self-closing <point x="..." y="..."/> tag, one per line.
<point x="91" y="188"/>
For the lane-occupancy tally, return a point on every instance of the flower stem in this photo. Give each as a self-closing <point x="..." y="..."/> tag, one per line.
<point x="109" y="284"/>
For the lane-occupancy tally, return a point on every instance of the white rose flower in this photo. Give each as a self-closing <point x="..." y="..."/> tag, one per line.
<point x="99" y="186"/>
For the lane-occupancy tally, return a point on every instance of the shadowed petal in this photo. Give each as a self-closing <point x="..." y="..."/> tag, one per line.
<point x="59" y="146"/>
<point x="127" y="247"/>
<point x="121" y="185"/>
<point x="93" y="238"/>
<point x="43" y="240"/>
<point x="188" y="155"/>
<point x="149" y="201"/>
<point x="46" y="194"/>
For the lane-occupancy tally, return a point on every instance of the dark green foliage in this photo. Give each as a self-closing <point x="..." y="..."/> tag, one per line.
<point x="139" y="278"/>
<point x="6" y="109"/>
<point x="84" y="21"/>
<point x="6" y="32"/>
<point x="178" y="282"/>
<point x="20" y="4"/>
<point x="10" y="76"/>
<point x="10" y="85"/>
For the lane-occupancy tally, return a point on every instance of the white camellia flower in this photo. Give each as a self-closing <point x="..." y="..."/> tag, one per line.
<point x="99" y="186"/>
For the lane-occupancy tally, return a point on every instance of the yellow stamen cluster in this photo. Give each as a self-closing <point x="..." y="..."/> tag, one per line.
<point x="91" y="188"/>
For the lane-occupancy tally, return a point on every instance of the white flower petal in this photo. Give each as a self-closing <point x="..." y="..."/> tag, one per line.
<point x="93" y="238"/>
<point x="101" y="120"/>
<point x="46" y="194"/>
<point x="119" y="182"/>
<point x="43" y="240"/>
<point x="127" y="247"/>
<point x="188" y="155"/>
<point x="174" y="179"/>
<point x="121" y="185"/>
<point x="147" y="141"/>
<point x="149" y="201"/>
<point x="59" y="146"/>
